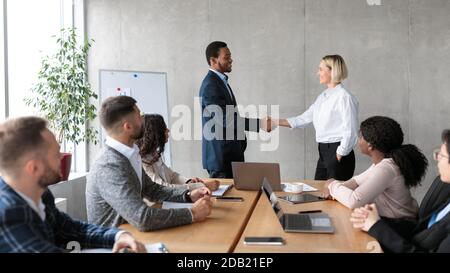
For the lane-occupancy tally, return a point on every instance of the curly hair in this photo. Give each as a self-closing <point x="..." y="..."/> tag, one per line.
<point x="386" y="135"/>
<point x="446" y="140"/>
<point x="154" y="138"/>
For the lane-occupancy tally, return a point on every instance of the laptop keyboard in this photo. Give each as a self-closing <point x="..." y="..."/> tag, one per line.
<point x="297" y="221"/>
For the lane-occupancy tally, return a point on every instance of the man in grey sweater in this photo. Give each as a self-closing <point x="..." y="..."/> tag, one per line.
<point x="117" y="185"/>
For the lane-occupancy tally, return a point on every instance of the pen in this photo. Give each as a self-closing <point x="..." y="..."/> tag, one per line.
<point x="310" y="211"/>
<point x="229" y="198"/>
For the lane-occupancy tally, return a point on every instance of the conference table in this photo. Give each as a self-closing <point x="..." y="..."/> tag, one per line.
<point x="230" y="222"/>
<point x="218" y="233"/>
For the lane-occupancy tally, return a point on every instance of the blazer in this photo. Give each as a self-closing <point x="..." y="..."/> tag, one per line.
<point x="436" y="196"/>
<point x="402" y="235"/>
<point x="115" y="195"/>
<point x="226" y="141"/>
<point x="22" y="230"/>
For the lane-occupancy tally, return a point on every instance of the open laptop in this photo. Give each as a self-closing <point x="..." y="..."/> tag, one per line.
<point x="249" y="175"/>
<point x="308" y="222"/>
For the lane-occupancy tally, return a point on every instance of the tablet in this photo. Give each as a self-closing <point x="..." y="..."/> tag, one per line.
<point x="300" y="198"/>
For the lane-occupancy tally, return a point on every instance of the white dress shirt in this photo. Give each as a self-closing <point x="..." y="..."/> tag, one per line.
<point x="334" y="115"/>
<point x="131" y="153"/>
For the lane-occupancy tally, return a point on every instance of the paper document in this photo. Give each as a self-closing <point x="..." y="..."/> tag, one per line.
<point x="176" y="205"/>
<point x="221" y="190"/>
<point x="305" y="187"/>
<point x="156" y="248"/>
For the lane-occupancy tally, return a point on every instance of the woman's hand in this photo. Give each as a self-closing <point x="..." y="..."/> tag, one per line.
<point x="365" y="217"/>
<point x="196" y="180"/>
<point x="212" y="185"/>
<point x="326" y="191"/>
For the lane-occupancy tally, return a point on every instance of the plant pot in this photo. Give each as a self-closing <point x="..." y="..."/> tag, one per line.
<point x="66" y="163"/>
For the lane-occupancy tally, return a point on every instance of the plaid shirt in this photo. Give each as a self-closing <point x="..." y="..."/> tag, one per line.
<point x="22" y="230"/>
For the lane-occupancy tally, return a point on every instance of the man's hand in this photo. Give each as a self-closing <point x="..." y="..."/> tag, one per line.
<point x="126" y="240"/>
<point x="199" y="193"/>
<point x="365" y="217"/>
<point x="266" y="124"/>
<point x="201" y="208"/>
<point x="338" y="157"/>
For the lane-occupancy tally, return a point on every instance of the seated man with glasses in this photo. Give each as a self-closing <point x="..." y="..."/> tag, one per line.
<point x="431" y="232"/>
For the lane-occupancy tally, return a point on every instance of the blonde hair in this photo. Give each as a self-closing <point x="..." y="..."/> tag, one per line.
<point x="337" y="66"/>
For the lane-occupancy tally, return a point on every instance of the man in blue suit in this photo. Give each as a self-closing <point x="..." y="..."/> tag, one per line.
<point x="223" y="138"/>
<point x="29" y="220"/>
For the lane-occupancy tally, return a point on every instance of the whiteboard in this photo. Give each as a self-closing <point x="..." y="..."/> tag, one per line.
<point x="149" y="89"/>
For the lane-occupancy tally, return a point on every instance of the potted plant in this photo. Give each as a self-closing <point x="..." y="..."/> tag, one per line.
<point x="62" y="94"/>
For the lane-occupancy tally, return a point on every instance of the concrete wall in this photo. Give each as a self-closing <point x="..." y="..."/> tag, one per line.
<point x="396" y="54"/>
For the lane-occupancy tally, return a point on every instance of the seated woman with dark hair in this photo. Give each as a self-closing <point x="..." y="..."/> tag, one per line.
<point x="151" y="146"/>
<point x="431" y="232"/>
<point x="396" y="168"/>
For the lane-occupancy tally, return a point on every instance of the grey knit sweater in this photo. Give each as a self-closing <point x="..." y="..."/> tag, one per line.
<point x="114" y="196"/>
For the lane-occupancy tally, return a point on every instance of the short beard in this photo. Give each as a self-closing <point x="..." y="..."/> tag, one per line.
<point x="50" y="177"/>
<point x="139" y="134"/>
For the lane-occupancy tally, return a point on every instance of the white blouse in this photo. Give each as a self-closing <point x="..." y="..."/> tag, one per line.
<point x="334" y="115"/>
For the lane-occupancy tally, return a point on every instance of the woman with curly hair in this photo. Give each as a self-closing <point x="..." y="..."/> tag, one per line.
<point x="396" y="168"/>
<point x="431" y="231"/>
<point x="151" y="146"/>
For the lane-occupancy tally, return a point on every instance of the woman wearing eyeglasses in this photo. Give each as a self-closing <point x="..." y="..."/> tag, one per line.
<point x="430" y="233"/>
<point x="396" y="167"/>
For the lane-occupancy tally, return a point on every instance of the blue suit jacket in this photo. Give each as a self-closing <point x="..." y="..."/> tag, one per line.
<point x="22" y="230"/>
<point x="228" y="142"/>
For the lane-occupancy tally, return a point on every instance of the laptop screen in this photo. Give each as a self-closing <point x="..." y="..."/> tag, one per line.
<point x="267" y="189"/>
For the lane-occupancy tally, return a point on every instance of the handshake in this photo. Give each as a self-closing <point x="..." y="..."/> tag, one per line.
<point x="268" y="124"/>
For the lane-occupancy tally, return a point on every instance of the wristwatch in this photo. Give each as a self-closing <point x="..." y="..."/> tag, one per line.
<point x="187" y="196"/>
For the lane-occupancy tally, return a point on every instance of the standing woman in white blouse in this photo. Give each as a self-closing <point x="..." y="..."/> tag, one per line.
<point x="334" y="115"/>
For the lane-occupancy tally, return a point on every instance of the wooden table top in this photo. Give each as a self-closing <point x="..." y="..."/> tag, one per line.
<point x="230" y="222"/>
<point x="264" y="222"/>
<point x="218" y="233"/>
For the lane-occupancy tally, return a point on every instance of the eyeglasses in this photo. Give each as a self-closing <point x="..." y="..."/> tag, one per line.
<point x="437" y="155"/>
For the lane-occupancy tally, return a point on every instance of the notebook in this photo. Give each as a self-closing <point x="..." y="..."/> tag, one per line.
<point x="306" y="187"/>
<point x="221" y="190"/>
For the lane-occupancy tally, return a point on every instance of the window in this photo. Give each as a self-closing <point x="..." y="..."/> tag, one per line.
<point x="27" y="37"/>
<point x="2" y="62"/>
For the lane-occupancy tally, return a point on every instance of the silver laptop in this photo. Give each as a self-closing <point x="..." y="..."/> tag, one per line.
<point x="308" y="222"/>
<point x="250" y="175"/>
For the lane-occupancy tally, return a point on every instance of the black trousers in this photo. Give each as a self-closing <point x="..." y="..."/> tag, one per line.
<point x="329" y="167"/>
<point x="220" y="174"/>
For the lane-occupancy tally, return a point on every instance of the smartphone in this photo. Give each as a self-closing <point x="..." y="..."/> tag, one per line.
<point x="273" y="241"/>
<point x="230" y="198"/>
